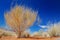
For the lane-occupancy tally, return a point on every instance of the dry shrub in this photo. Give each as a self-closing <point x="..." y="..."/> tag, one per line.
<point x="54" y="30"/>
<point x="6" y="33"/>
<point x="20" y="18"/>
<point x="26" y="35"/>
<point x="41" y="33"/>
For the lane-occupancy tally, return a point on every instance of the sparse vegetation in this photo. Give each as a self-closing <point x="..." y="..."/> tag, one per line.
<point x="20" y="18"/>
<point x="54" y="30"/>
<point x="6" y="33"/>
<point x="41" y="33"/>
<point x="26" y="35"/>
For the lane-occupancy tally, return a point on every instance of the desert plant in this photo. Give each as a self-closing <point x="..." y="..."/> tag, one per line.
<point x="26" y="35"/>
<point x="20" y="18"/>
<point x="6" y="33"/>
<point x="54" y="30"/>
<point x="41" y="33"/>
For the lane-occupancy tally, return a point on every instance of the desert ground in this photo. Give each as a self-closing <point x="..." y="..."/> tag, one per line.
<point x="14" y="38"/>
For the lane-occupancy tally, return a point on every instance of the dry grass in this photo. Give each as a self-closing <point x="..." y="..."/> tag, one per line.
<point x="14" y="38"/>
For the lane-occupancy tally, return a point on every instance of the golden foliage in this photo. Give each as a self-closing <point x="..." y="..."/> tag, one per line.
<point x="54" y="30"/>
<point x="20" y="18"/>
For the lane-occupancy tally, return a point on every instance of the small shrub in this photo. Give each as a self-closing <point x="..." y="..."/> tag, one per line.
<point x="54" y="30"/>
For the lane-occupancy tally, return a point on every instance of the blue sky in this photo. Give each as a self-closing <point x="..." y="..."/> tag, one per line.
<point x="48" y="10"/>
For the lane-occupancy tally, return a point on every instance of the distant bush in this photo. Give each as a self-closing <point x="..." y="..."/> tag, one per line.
<point x="25" y="34"/>
<point x="54" y="31"/>
<point x="6" y="33"/>
<point x="42" y="34"/>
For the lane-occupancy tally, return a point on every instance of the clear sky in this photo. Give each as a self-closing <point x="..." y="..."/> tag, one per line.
<point x="48" y="10"/>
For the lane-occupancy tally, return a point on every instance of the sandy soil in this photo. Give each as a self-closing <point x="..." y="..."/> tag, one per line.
<point x="14" y="38"/>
